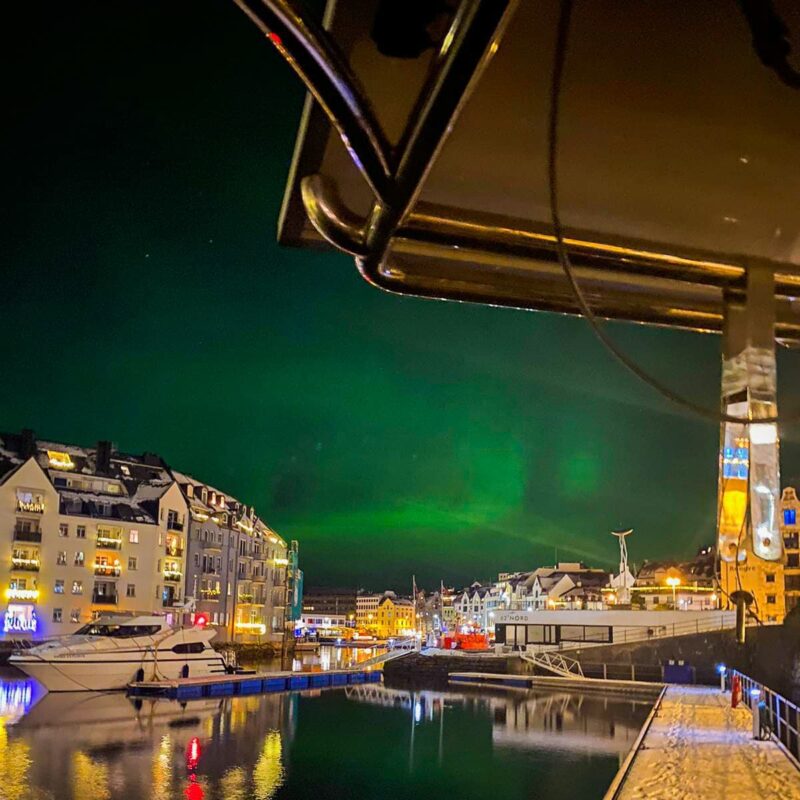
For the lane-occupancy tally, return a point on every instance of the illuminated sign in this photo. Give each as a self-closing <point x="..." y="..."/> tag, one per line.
<point x="20" y="619"/>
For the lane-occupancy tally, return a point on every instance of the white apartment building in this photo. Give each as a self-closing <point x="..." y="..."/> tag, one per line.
<point x="367" y="609"/>
<point x="84" y="532"/>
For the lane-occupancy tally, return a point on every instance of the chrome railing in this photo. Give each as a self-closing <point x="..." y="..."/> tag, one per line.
<point x="782" y="716"/>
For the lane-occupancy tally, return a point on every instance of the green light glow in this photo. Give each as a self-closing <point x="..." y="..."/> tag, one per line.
<point x="146" y="301"/>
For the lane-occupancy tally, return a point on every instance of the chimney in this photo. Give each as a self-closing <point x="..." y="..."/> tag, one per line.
<point x="152" y="460"/>
<point x="27" y="443"/>
<point x="103" y="458"/>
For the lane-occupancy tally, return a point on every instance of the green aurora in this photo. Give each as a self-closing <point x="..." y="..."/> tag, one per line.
<point x="145" y="300"/>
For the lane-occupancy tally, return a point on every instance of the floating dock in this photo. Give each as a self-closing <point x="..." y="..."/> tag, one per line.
<point x="253" y="683"/>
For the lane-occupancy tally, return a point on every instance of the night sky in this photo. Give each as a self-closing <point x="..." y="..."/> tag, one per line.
<point x="145" y="300"/>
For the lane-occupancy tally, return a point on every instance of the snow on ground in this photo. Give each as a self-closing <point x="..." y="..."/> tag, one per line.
<point x="699" y="747"/>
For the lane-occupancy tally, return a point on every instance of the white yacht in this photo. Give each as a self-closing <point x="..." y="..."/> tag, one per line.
<point x="111" y="652"/>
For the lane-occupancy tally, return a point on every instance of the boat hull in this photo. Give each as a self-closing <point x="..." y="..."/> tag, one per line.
<point x="94" y="675"/>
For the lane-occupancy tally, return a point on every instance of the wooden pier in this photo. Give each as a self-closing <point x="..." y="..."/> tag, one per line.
<point x="695" y="745"/>
<point x="253" y="683"/>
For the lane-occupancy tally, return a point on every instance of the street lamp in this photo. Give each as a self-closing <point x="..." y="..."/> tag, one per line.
<point x="673" y="582"/>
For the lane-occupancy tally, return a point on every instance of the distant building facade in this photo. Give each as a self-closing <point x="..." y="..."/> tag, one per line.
<point x="330" y="602"/>
<point x="86" y="532"/>
<point x="237" y="565"/>
<point x="790" y="530"/>
<point x="696" y="588"/>
<point x="395" y="617"/>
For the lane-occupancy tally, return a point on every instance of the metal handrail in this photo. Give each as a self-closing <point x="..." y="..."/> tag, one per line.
<point x="783" y="716"/>
<point x="311" y="52"/>
<point x="556" y="663"/>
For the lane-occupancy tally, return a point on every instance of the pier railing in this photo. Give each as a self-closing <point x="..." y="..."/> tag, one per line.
<point x="782" y="716"/>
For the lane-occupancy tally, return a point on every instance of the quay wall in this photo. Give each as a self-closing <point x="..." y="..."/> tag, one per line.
<point x="770" y="655"/>
<point x="431" y="672"/>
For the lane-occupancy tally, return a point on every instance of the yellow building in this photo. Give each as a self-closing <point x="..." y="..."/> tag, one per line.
<point x="741" y="566"/>
<point x="394" y="617"/>
<point x="790" y="531"/>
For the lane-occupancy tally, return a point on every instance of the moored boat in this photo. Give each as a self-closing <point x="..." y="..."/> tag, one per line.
<point x="110" y="653"/>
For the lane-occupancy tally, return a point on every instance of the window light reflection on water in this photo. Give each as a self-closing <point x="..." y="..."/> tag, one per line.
<point x="362" y="742"/>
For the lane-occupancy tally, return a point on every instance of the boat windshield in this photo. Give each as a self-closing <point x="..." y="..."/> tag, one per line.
<point x="117" y="631"/>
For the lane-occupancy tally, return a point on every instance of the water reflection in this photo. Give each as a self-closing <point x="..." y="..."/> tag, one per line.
<point x="361" y="742"/>
<point x="268" y="774"/>
<point x="322" y="659"/>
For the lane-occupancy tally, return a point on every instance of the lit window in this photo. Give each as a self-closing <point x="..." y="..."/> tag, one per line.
<point x="60" y="460"/>
<point x="133" y="537"/>
<point x="56" y="615"/>
<point x="132" y="563"/>
<point x="77" y="587"/>
<point x="789" y="516"/>
<point x="75" y="615"/>
<point x="59" y="587"/>
<point x="79" y="558"/>
<point x="63" y="529"/>
<point x="61" y="559"/>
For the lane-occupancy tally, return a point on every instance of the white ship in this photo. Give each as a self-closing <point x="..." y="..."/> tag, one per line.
<point x="111" y="652"/>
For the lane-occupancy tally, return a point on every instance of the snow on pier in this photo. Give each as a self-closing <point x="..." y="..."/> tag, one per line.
<point x="699" y="747"/>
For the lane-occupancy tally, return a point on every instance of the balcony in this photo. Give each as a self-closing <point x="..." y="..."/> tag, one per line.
<point x="174" y="552"/>
<point x="245" y="599"/>
<point x="174" y="525"/>
<point x="25" y="564"/>
<point x="107" y="571"/>
<point x="211" y="545"/>
<point x="172" y="575"/>
<point x="21" y="535"/>
<point x="108" y="543"/>
<point x="105" y="598"/>
<point x="210" y="595"/>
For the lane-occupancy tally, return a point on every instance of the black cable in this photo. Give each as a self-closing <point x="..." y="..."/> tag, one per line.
<point x="770" y="40"/>
<point x="562" y="38"/>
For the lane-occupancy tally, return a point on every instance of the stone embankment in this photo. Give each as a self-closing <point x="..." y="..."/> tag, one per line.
<point x="432" y="672"/>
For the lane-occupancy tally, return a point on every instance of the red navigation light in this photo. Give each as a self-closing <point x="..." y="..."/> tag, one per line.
<point x="201" y="620"/>
<point x="193" y="754"/>
<point x="275" y="39"/>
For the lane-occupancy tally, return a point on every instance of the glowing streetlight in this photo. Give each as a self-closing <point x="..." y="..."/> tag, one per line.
<point x="673" y="582"/>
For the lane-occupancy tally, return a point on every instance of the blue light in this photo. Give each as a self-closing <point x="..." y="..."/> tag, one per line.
<point x="755" y="692"/>
<point x="16" y="697"/>
<point x="20" y="619"/>
<point x="789" y="516"/>
<point x="722" y="669"/>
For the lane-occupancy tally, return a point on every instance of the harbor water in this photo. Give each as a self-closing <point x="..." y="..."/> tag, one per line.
<point x="355" y="742"/>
